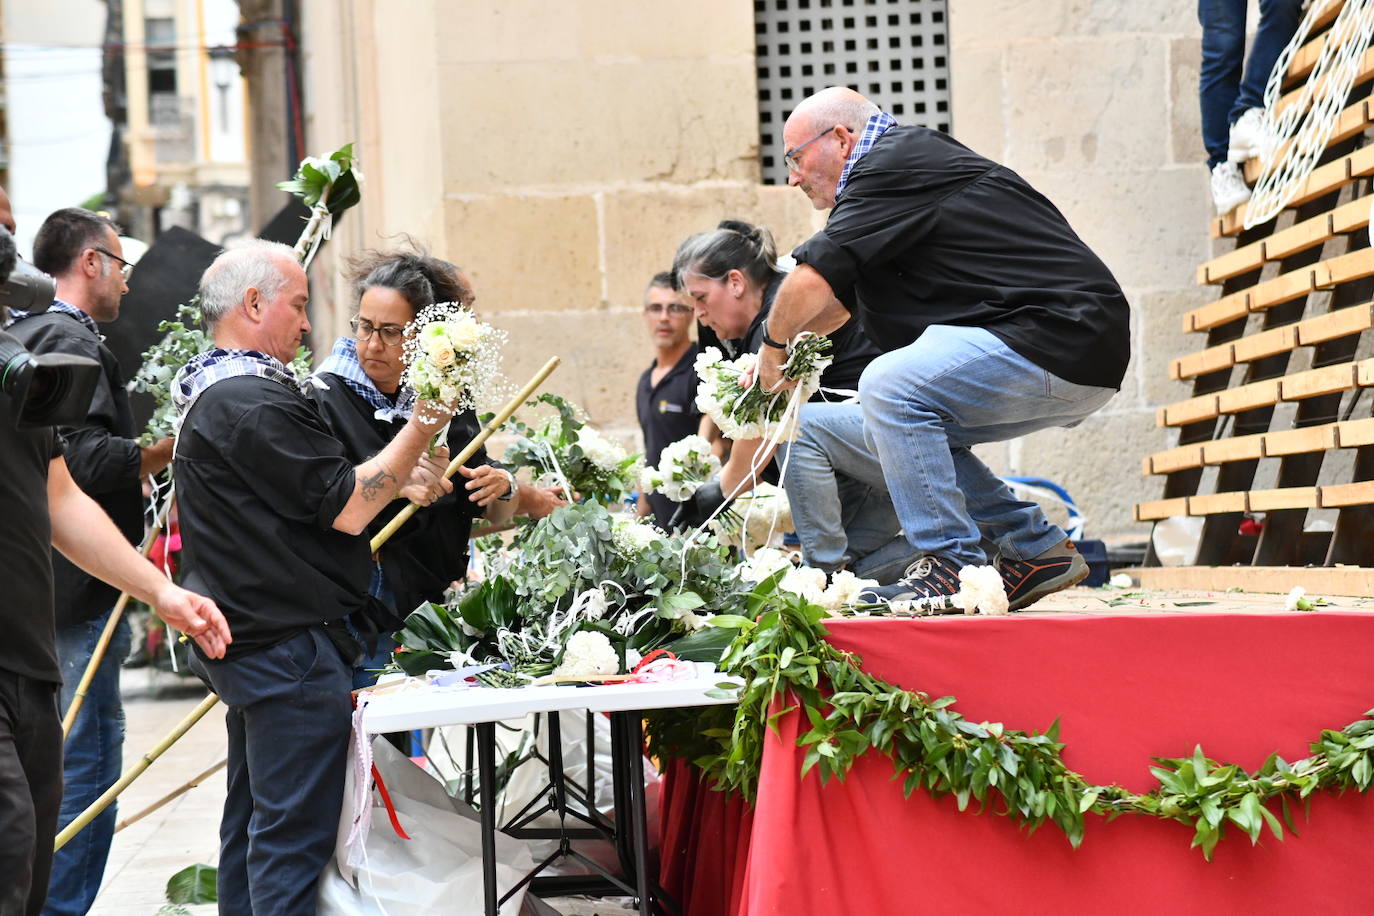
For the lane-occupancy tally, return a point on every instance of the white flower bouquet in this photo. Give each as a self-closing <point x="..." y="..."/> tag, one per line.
<point x="682" y="468"/>
<point x="566" y="451"/>
<point x="757" y="519"/>
<point x="752" y="413"/>
<point x="451" y="357"/>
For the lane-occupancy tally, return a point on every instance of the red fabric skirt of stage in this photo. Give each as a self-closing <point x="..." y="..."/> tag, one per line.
<point x="1126" y="688"/>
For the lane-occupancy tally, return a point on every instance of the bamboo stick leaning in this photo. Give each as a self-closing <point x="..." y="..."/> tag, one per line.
<point x="471" y="448"/>
<point x="101" y="803"/>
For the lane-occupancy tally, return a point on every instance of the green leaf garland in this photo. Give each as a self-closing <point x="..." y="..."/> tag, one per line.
<point x="781" y="652"/>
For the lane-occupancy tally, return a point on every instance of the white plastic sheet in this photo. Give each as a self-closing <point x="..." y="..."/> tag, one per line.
<point x="438" y="870"/>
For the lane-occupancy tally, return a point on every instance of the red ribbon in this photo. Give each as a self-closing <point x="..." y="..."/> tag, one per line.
<point x="386" y="800"/>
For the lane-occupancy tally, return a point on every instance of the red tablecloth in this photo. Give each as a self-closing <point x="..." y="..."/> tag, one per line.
<point x="1125" y="688"/>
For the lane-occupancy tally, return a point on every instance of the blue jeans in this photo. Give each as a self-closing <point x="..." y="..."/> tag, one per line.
<point x="838" y="496"/>
<point x="1228" y="84"/>
<point x="289" y="722"/>
<point x="92" y="758"/>
<point x="927" y="403"/>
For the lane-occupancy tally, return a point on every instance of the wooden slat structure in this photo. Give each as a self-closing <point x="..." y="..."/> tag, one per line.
<point x="1276" y="422"/>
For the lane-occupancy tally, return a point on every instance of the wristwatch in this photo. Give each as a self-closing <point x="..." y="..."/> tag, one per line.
<point x="770" y="342"/>
<point x="514" y="487"/>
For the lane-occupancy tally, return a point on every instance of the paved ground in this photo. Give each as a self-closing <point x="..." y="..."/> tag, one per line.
<point x="184" y="832"/>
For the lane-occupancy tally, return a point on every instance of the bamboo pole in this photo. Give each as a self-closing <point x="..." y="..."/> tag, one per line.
<point x="471" y="448"/>
<point x="101" y="803"/>
<point x="170" y="796"/>
<point x="98" y="654"/>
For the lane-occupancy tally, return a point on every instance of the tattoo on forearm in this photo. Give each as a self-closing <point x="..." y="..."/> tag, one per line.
<point x="376" y="484"/>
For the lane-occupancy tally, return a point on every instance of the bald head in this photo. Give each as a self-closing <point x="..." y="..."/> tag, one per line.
<point x="819" y="136"/>
<point x="836" y="105"/>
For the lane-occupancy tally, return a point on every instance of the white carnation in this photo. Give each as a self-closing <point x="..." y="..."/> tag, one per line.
<point x="763" y="563"/>
<point x="599" y="450"/>
<point x="807" y="581"/>
<point x="844" y="589"/>
<point x="981" y="591"/>
<point x="588" y="653"/>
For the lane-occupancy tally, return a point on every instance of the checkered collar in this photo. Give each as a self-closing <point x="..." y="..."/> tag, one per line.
<point x="877" y="125"/>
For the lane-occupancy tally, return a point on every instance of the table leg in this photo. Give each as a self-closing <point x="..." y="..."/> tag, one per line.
<point x="629" y="741"/>
<point x="486" y="773"/>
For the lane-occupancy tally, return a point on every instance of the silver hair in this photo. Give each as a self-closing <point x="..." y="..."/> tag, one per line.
<point x="829" y="108"/>
<point x="254" y="264"/>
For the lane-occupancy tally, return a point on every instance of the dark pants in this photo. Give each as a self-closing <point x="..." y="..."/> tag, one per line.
<point x="30" y="790"/>
<point x="1228" y="83"/>
<point x="289" y="719"/>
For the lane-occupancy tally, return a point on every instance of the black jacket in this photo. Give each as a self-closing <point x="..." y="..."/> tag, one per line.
<point x="430" y="550"/>
<point x="101" y="455"/>
<point x="928" y="232"/>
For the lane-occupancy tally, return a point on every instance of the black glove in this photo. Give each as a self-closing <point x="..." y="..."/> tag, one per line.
<point x="696" y="510"/>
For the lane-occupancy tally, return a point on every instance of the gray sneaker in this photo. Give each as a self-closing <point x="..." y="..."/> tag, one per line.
<point x="931" y="583"/>
<point x="1027" y="581"/>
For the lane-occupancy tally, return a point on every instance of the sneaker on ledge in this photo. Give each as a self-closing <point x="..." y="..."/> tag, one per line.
<point x="1229" y="189"/>
<point x="930" y="577"/>
<point x="1247" y="136"/>
<point x="1027" y="581"/>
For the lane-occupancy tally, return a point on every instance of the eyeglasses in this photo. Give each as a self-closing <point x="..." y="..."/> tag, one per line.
<point x="126" y="267"/>
<point x="364" y="329"/>
<point x="789" y="158"/>
<point x="658" y="308"/>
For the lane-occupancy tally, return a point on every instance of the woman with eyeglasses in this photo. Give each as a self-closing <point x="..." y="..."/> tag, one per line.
<point x="363" y="398"/>
<point x="730" y="276"/>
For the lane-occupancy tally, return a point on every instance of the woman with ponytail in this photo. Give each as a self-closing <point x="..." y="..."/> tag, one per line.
<point x="730" y="276"/>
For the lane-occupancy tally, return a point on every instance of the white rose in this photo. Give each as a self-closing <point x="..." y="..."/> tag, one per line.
<point x="444" y="357"/>
<point x="434" y="337"/>
<point x="466" y="334"/>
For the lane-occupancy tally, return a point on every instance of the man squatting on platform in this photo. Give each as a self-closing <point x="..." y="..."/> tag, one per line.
<point x="997" y="320"/>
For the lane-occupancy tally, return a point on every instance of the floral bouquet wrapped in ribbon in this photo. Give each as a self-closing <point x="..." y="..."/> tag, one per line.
<point x="682" y="468"/>
<point x="752" y="413"/>
<point x="757" y="519"/>
<point x="565" y="451"/>
<point x="451" y="357"/>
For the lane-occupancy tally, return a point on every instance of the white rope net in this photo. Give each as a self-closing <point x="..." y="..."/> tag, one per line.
<point x="1297" y="136"/>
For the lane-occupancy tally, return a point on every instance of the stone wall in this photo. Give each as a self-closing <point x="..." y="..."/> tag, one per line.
<point x="560" y="151"/>
<point x="1095" y="103"/>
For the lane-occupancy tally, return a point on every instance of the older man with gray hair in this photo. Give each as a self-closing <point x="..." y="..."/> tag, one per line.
<point x="997" y="320"/>
<point x="271" y="517"/>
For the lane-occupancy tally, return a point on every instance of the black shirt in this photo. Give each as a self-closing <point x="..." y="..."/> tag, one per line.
<point x="260" y="480"/>
<point x="850" y="347"/>
<point x="101" y="454"/>
<point x="27" y="638"/>
<point x="929" y="232"/>
<point x="667" y="413"/>
<point x="430" y="550"/>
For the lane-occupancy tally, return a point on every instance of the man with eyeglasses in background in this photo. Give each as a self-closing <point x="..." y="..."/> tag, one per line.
<point x="81" y="250"/>
<point x="666" y="398"/>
